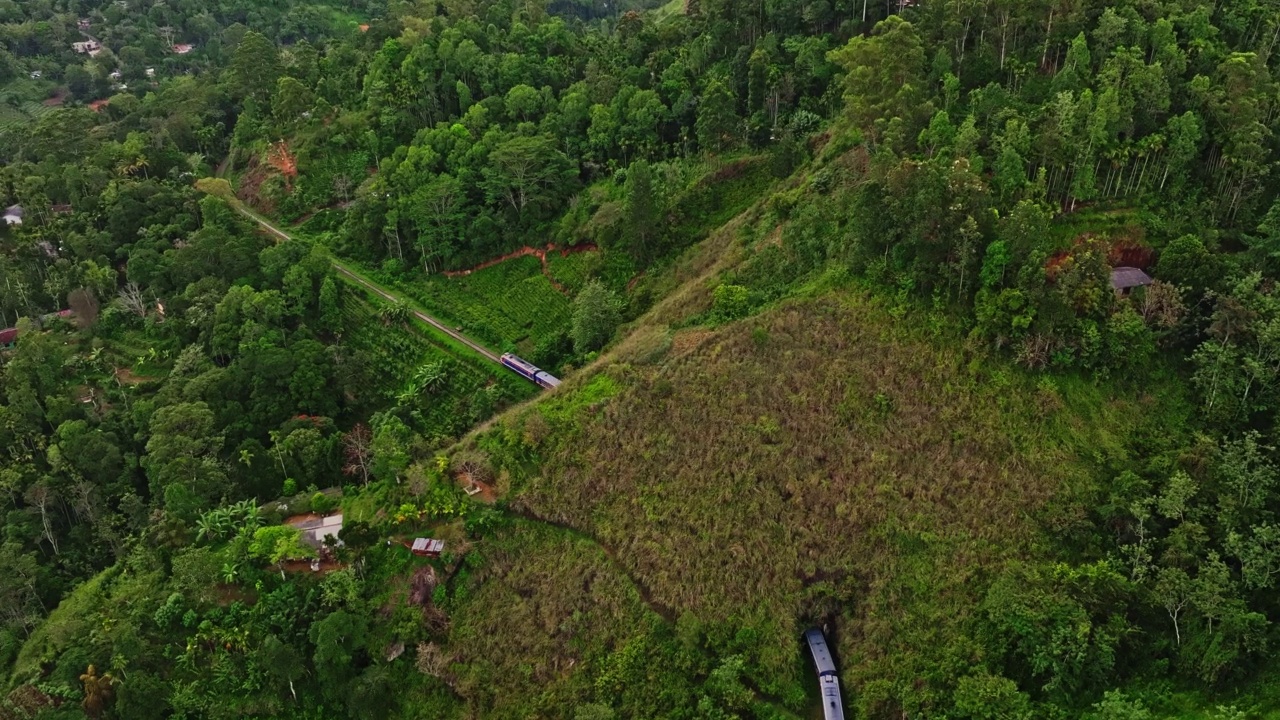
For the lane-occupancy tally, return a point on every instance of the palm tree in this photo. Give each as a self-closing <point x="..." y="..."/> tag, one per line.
<point x="230" y="571"/>
<point x="222" y="521"/>
<point x="246" y="511"/>
<point x="204" y="528"/>
<point x="426" y="380"/>
<point x="397" y="314"/>
<point x="431" y="377"/>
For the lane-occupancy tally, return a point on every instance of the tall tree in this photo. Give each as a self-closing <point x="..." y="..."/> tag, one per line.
<point x="641" y="219"/>
<point x="885" y="74"/>
<point x="595" y="317"/>
<point x="255" y="68"/>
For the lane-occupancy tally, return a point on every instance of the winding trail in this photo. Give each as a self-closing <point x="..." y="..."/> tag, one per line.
<point x="646" y="595"/>
<point x="380" y="291"/>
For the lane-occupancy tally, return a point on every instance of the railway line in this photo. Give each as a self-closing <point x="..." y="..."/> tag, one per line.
<point x="538" y="377"/>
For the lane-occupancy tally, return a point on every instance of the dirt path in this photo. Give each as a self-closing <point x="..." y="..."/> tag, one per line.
<point x="646" y="596"/>
<point x="540" y="253"/>
<point x="378" y="290"/>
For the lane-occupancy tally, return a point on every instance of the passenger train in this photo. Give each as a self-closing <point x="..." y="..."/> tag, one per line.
<point x="828" y="681"/>
<point x="529" y="371"/>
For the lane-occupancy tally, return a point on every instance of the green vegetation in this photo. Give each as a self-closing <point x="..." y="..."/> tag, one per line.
<point x="445" y="388"/>
<point x="510" y="305"/>
<point x="830" y="288"/>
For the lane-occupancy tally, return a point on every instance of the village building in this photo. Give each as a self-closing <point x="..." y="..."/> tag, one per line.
<point x="183" y="48"/>
<point x="13" y="215"/>
<point x="87" y="47"/>
<point x="1125" y="279"/>
<point x="316" y="530"/>
<point x="427" y="547"/>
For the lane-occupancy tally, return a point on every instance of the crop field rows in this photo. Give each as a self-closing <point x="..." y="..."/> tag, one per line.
<point x="12" y="118"/>
<point x="395" y="352"/>
<point x="510" y="306"/>
<point x="571" y="271"/>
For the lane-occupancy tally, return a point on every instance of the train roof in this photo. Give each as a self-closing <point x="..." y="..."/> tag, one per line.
<point x="517" y="360"/>
<point x="821" y="653"/>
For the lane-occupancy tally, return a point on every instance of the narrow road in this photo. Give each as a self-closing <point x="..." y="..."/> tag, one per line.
<point x="378" y="290"/>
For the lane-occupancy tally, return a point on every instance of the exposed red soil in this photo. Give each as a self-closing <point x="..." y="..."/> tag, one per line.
<point x="228" y="594"/>
<point x="279" y="157"/>
<point x="1125" y="248"/>
<point x="729" y="171"/>
<point x="466" y="479"/>
<point x="247" y="189"/>
<point x="487" y="494"/>
<point x="540" y="253"/>
<point x="57" y="99"/>
<point x="129" y="377"/>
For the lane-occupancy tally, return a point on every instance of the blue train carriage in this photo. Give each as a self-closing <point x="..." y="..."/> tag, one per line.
<point x="529" y="371"/>
<point x="828" y="680"/>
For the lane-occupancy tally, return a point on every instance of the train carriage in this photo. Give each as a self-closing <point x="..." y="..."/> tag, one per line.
<point x="529" y="371"/>
<point x="828" y="680"/>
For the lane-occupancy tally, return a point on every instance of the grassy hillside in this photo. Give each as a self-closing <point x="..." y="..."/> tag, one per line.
<point x="822" y="463"/>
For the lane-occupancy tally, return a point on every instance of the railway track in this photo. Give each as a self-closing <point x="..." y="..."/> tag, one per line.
<point x="380" y="291"/>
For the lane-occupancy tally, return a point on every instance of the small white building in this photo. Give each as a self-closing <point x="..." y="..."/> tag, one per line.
<point x="316" y="530"/>
<point x="36" y="74"/>
<point x="87" y="47"/>
<point x="151" y="72"/>
<point x="13" y="215"/>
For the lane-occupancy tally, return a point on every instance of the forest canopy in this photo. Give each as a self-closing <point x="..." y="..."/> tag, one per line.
<point x="984" y="290"/>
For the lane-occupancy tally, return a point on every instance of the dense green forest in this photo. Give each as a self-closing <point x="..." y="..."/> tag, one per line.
<point x="831" y="286"/>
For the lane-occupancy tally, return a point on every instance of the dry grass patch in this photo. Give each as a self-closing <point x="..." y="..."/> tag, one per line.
<point x="540" y="609"/>
<point x="817" y="462"/>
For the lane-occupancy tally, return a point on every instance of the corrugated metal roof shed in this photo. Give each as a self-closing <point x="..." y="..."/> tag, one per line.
<point x="427" y="546"/>
<point x="1123" y="278"/>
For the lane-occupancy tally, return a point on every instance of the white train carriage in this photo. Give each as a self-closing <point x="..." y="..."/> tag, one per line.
<point x="828" y="680"/>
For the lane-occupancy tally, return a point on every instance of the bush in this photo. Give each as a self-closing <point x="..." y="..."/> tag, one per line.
<point x="730" y="302"/>
<point x="321" y="503"/>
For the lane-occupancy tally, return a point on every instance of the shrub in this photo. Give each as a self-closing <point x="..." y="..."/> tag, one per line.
<point x="730" y="302"/>
<point x="321" y="503"/>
